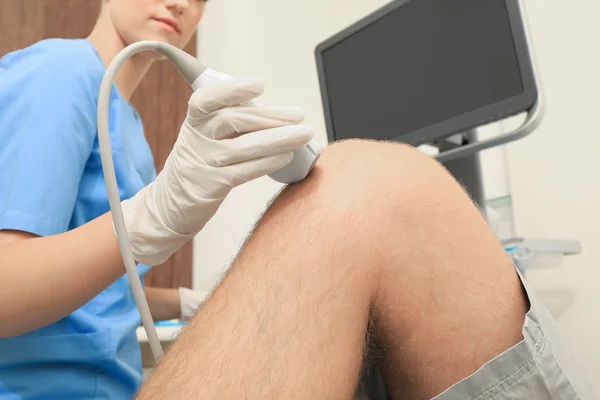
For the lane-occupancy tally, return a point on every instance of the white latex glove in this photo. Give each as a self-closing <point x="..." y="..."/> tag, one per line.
<point x="190" y="301"/>
<point x="222" y="144"/>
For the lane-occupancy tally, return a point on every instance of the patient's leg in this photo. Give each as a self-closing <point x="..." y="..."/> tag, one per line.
<point x="377" y="227"/>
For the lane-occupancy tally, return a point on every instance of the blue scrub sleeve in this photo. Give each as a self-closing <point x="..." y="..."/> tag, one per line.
<point x="47" y="131"/>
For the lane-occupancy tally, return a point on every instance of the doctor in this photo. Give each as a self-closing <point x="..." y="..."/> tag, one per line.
<point x="67" y="314"/>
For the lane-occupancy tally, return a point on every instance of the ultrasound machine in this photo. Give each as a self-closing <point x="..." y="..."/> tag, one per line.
<point x="433" y="72"/>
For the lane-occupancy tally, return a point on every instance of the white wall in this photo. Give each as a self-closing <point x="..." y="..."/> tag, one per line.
<point x="275" y="40"/>
<point x="554" y="174"/>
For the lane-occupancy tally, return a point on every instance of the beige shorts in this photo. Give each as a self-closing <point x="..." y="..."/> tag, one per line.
<point x="539" y="367"/>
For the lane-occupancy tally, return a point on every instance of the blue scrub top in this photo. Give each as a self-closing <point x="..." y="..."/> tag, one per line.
<point x="51" y="181"/>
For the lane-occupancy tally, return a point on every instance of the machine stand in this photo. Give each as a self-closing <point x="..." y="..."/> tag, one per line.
<point x="467" y="170"/>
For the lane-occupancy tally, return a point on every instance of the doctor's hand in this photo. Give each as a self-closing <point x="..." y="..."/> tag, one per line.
<point x="222" y="144"/>
<point x="190" y="301"/>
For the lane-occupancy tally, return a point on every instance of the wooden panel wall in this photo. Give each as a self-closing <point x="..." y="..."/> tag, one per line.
<point x="161" y="99"/>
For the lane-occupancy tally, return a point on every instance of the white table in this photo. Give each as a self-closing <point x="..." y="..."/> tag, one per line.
<point x="165" y="333"/>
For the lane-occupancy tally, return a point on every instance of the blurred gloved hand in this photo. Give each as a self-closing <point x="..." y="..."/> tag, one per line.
<point x="190" y="301"/>
<point x="222" y="144"/>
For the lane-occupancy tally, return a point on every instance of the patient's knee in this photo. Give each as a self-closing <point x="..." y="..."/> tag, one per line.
<point x="377" y="160"/>
<point x="381" y="177"/>
<point x="375" y="189"/>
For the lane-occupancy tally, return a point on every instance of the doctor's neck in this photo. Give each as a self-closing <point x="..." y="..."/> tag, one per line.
<point x="108" y="44"/>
